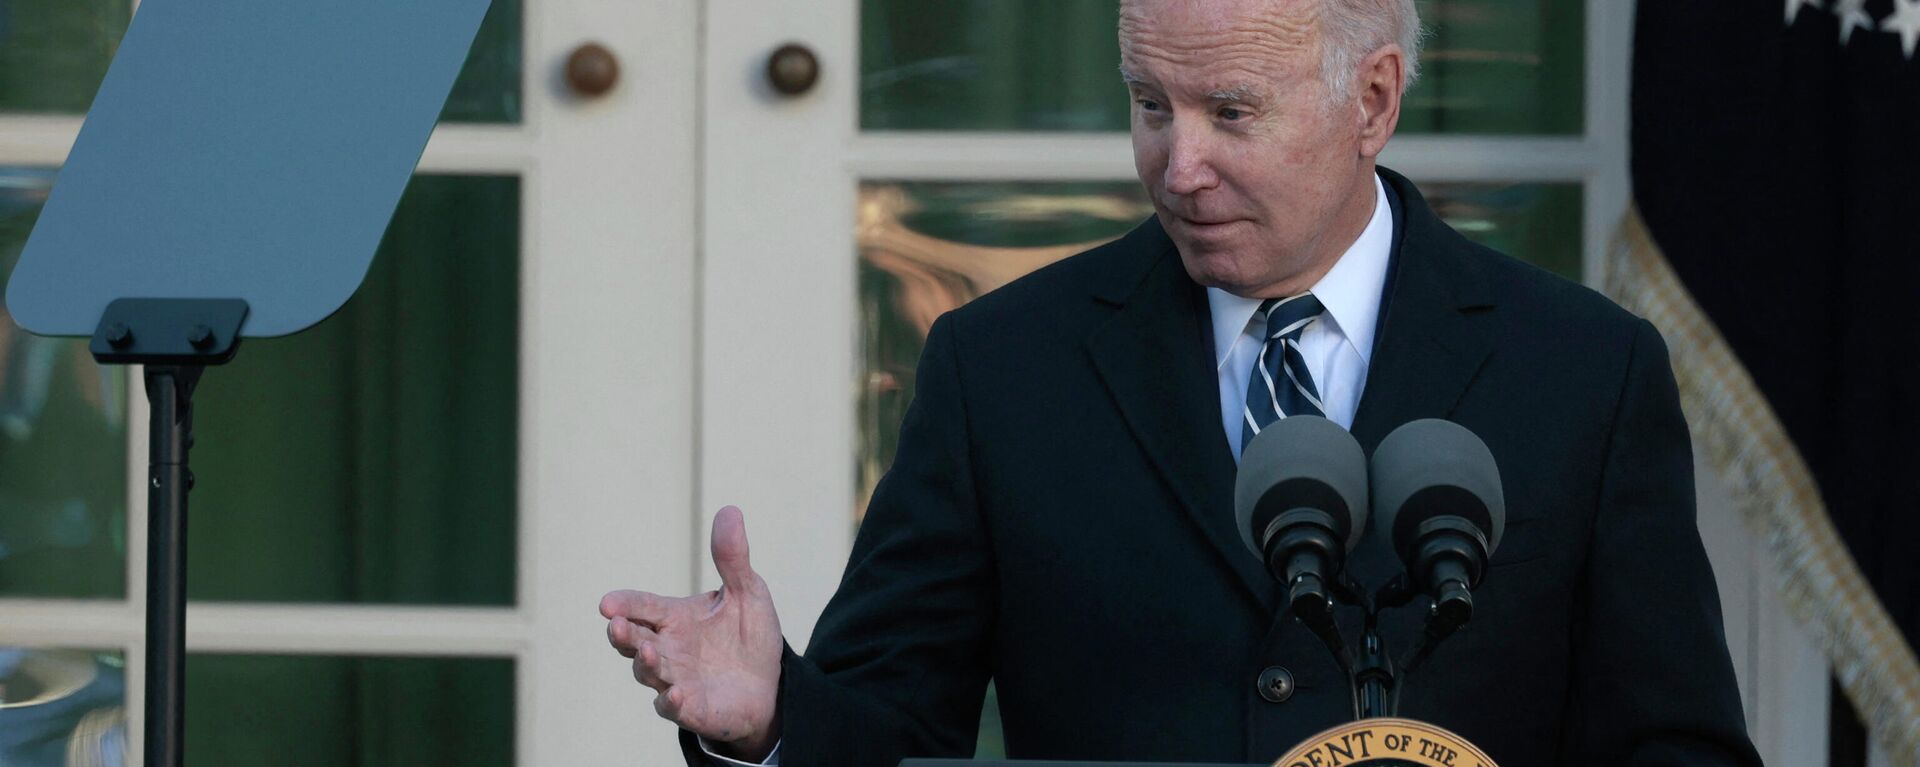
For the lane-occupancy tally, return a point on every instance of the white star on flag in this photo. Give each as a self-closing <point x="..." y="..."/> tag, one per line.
<point x="1906" y="21"/>
<point x="1794" y="6"/>
<point x="1853" y="15"/>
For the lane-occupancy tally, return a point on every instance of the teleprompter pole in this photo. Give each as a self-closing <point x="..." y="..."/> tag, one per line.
<point x="170" y="397"/>
<point x="175" y="339"/>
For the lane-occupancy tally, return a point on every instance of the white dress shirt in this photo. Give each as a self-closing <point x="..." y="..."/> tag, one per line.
<point x="1337" y="347"/>
<point x="772" y="760"/>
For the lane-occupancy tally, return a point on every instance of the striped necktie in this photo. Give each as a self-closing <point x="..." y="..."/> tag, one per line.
<point x="1280" y="385"/>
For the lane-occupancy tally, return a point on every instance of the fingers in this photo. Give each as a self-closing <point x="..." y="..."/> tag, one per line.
<point x="730" y="549"/>
<point x="649" y="668"/>
<point x="616" y="636"/>
<point x="626" y="636"/>
<point x="641" y="607"/>
<point x="668" y="704"/>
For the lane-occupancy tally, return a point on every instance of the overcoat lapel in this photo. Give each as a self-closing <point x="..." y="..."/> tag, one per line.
<point x="1432" y="340"/>
<point x="1155" y="357"/>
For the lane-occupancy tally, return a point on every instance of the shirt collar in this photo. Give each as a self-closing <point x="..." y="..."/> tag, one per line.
<point x="1350" y="291"/>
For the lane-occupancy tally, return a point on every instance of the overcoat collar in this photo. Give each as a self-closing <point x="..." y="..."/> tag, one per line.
<point x="1155" y="357"/>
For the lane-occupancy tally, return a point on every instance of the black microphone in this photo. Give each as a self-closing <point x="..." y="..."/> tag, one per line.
<point x="1300" y="502"/>
<point x="1436" y="493"/>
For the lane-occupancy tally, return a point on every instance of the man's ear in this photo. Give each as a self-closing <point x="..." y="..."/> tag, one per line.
<point x="1380" y="77"/>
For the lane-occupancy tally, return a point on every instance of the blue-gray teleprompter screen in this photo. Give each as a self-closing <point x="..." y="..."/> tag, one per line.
<point x="249" y="149"/>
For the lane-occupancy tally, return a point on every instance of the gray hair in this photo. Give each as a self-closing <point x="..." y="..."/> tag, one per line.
<point x="1351" y="29"/>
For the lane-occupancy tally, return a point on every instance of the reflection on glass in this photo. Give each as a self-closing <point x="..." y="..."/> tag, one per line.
<point x="349" y="711"/>
<point x="927" y="248"/>
<point x="488" y="89"/>
<point x="1492" y="66"/>
<point x="372" y="458"/>
<point x="53" y="53"/>
<point x="63" y="435"/>
<point x="62" y="707"/>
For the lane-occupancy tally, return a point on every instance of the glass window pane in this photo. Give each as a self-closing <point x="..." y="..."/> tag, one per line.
<point x="989" y="65"/>
<point x="1500" y="67"/>
<point x="488" y="89"/>
<point x="372" y="458"/>
<point x="61" y="703"/>
<point x="63" y="442"/>
<point x="1492" y="66"/>
<point x="53" y="53"/>
<point x="928" y="247"/>
<point x="349" y="711"/>
<point x="1536" y="223"/>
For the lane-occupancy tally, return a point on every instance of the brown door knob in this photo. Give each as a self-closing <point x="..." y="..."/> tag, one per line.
<point x="792" y="69"/>
<point x="592" y="70"/>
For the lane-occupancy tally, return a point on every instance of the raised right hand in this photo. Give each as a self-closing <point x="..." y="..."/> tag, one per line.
<point x="713" y="658"/>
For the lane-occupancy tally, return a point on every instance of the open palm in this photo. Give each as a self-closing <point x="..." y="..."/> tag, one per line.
<point x="713" y="658"/>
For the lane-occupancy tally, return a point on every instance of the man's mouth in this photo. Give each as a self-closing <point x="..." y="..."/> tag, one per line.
<point x="1207" y="221"/>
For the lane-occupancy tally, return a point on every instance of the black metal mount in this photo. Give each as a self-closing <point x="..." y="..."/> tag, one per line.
<point x="176" y="339"/>
<point x="1370" y="668"/>
<point x="169" y="331"/>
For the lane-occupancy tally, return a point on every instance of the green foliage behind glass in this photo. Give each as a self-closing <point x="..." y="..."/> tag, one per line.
<point x="53" y="53"/>
<point x="330" y="711"/>
<point x="373" y="457"/>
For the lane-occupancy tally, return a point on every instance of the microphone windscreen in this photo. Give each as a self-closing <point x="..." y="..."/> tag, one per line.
<point x="1301" y="461"/>
<point x="1429" y="468"/>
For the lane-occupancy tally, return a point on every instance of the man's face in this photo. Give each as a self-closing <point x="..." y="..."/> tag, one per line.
<point x="1253" y="171"/>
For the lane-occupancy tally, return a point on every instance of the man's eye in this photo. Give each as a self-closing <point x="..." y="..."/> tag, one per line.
<point x="1148" y="105"/>
<point x="1230" y="114"/>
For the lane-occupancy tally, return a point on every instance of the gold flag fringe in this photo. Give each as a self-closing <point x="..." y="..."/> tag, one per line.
<point x="1778" y="500"/>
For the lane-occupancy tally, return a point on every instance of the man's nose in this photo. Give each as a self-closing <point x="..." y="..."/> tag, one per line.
<point x="1189" y="161"/>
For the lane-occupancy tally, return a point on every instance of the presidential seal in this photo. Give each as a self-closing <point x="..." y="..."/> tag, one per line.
<point x="1385" y="742"/>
